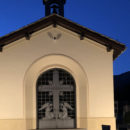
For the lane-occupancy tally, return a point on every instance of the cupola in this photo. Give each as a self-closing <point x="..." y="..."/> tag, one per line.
<point x="54" y="6"/>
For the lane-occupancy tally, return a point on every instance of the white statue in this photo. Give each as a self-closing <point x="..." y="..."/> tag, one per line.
<point x="48" y="113"/>
<point x="64" y="114"/>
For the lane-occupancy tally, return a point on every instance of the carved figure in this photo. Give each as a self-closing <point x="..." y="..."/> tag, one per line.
<point x="48" y="113"/>
<point x="54" y="37"/>
<point x="64" y="114"/>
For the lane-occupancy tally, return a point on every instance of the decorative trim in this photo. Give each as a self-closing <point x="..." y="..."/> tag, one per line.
<point x="54" y="24"/>
<point x="109" y="48"/>
<point x="27" y="36"/>
<point x="1" y="48"/>
<point x="54" y="37"/>
<point x="82" y="36"/>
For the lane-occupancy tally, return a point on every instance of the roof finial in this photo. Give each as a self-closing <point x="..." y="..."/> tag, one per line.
<point x="54" y="6"/>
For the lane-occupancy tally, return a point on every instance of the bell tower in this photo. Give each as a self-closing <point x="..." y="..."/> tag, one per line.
<point x="54" y="6"/>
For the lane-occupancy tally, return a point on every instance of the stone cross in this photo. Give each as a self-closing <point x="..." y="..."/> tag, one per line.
<point x="55" y="87"/>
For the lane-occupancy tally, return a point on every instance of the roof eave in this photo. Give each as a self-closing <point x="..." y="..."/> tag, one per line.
<point x="54" y="20"/>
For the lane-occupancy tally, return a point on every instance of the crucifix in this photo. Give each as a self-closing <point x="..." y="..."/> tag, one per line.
<point x="55" y="87"/>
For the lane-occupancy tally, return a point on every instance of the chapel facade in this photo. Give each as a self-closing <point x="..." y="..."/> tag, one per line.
<point x="56" y="74"/>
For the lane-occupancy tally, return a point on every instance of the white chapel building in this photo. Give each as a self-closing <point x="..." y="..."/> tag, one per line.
<point x="56" y="74"/>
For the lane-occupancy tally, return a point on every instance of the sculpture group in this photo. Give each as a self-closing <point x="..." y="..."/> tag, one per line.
<point x="52" y="115"/>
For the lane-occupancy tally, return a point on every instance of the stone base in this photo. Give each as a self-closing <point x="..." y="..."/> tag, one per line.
<point x="62" y="129"/>
<point x="56" y="123"/>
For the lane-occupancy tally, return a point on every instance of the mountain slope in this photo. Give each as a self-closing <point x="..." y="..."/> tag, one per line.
<point x="122" y="86"/>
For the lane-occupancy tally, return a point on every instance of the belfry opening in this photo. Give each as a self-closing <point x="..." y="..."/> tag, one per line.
<point x="54" y="7"/>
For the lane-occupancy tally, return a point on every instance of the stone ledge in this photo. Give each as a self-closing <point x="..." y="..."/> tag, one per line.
<point x="51" y="124"/>
<point x="61" y="129"/>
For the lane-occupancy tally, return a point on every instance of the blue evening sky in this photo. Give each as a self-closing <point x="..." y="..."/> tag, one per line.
<point x="108" y="17"/>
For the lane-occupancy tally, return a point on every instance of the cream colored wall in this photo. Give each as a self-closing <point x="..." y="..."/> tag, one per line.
<point x="55" y="61"/>
<point x="93" y="60"/>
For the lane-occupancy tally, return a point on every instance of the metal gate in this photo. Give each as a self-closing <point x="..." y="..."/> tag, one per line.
<point x="56" y="99"/>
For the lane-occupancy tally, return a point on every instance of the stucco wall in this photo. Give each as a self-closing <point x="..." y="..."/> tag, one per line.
<point x="16" y="59"/>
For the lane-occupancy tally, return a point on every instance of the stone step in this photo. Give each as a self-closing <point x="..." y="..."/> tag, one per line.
<point x="61" y="129"/>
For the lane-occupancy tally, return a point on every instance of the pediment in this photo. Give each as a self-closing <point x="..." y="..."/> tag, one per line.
<point x="56" y="20"/>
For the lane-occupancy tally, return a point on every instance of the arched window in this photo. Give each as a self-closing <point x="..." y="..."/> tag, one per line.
<point x="56" y="107"/>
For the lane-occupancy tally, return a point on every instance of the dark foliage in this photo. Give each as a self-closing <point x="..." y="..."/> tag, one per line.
<point x="122" y="87"/>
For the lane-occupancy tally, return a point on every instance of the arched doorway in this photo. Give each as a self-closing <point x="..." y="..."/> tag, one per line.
<point x="56" y="105"/>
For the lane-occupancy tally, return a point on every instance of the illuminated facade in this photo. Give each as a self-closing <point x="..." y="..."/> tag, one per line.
<point x="52" y="47"/>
